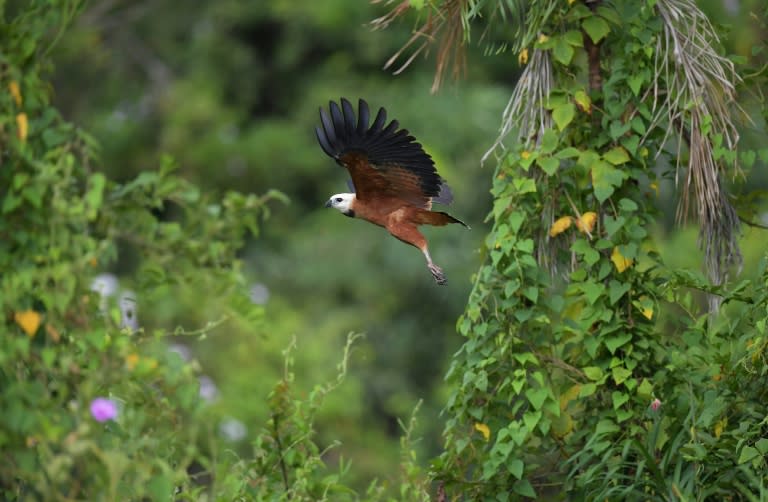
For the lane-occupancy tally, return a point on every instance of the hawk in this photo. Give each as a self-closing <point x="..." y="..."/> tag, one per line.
<point x="393" y="180"/>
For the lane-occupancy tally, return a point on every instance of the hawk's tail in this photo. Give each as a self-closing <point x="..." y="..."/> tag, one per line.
<point x="437" y="218"/>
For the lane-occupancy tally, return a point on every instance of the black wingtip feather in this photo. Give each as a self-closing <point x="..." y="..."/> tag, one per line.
<point x="328" y="131"/>
<point x="323" y="140"/>
<point x="362" y="122"/>
<point x="349" y="117"/>
<point x="342" y="132"/>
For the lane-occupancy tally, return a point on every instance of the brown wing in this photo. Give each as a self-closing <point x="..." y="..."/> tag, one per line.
<point x="382" y="161"/>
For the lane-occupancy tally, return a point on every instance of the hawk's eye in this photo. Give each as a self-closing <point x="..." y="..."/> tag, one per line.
<point x="338" y="199"/>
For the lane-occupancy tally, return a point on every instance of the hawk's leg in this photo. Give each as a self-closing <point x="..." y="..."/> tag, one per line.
<point x="437" y="272"/>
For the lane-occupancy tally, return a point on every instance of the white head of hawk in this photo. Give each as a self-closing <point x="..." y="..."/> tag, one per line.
<point x="342" y="202"/>
<point x="394" y="179"/>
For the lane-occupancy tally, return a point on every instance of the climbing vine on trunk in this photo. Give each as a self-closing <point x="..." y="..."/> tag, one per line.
<point x="587" y="366"/>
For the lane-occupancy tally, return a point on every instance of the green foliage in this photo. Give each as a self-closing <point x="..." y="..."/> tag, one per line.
<point x="589" y="368"/>
<point x="230" y="90"/>
<point x="67" y="342"/>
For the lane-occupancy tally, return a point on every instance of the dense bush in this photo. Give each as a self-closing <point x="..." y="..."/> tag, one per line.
<point x="95" y="405"/>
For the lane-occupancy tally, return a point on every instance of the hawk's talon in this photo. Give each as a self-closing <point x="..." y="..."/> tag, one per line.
<point x="437" y="273"/>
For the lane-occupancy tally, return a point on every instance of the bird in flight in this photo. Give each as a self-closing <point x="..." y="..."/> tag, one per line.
<point x="394" y="181"/>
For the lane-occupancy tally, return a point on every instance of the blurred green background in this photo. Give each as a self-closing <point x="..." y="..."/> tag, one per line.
<point x="231" y="89"/>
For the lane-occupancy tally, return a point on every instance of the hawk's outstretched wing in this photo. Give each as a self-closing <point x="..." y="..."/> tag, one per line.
<point x="382" y="161"/>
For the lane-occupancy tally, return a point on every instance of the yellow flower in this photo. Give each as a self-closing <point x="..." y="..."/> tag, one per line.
<point x="560" y="225"/>
<point x="23" y="126"/>
<point x="522" y="58"/>
<point x="543" y="38"/>
<point x="586" y="223"/>
<point x="29" y="320"/>
<point x="525" y="154"/>
<point x="131" y="360"/>
<point x="484" y="430"/>
<point x="620" y="261"/>
<point x="13" y="88"/>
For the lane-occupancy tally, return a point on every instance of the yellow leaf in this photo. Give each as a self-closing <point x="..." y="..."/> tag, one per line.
<point x="562" y="425"/>
<point x="522" y="58"/>
<point x="13" y="88"/>
<point x="586" y="223"/>
<point x="131" y="360"/>
<point x="560" y="225"/>
<point x="647" y="312"/>
<point x="569" y="395"/>
<point x="583" y="101"/>
<point x="571" y="2"/>
<point x="23" y="126"/>
<point x="620" y="261"/>
<point x="29" y="320"/>
<point x="484" y="430"/>
<point x="525" y="154"/>
<point x="720" y="427"/>
<point x="543" y="38"/>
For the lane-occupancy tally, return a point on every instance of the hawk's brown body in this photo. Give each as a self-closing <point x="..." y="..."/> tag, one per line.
<point x="395" y="181"/>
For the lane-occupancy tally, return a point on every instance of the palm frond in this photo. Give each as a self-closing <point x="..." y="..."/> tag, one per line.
<point x="525" y="111"/>
<point x="694" y="93"/>
<point x="445" y="24"/>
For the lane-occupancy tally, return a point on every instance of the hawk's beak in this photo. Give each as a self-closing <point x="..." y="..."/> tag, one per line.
<point x="328" y="204"/>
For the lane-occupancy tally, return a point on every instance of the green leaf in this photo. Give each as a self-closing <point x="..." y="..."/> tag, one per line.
<point x="531" y="418"/>
<point x="567" y="153"/>
<point x="593" y="372"/>
<point x="616" y="341"/>
<point x="563" y="115"/>
<point x="536" y="397"/>
<point x="532" y="293"/>
<point x="516" y="467"/>
<point x="605" y="179"/>
<point x="524" y="185"/>
<point x="617" y="129"/>
<point x="584" y="248"/>
<point x="616" y="156"/>
<point x="645" y="389"/>
<point x="620" y="374"/>
<point x="631" y="143"/>
<point x="548" y="164"/>
<point x="160" y="487"/>
<point x="592" y="291"/>
<point x="616" y="290"/>
<point x="548" y="141"/>
<point x="619" y="398"/>
<point x="574" y="38"/>
<point x="587" y="158"/>
<point x="762" y="446"/>
<point x="628" y="205"/>
<point x="747" y="453"/>
<point x="596" y="27"/>
<point x="562" y="51"/>
<point x="523" y="487"/>
<point x="635" y="82"/>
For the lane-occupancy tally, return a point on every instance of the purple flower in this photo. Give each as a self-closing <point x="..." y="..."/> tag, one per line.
<point x="103" y="409"/>
<point x="655" y="404"/>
